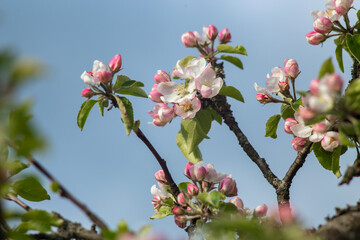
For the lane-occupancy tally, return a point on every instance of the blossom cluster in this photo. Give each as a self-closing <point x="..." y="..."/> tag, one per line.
<point x="278" y="82"/>
<point x="210" y="33"/>
<point x="189" y="204"/>
<point x="323" y="95"/>
<point x="198" y="79"/>
<point x="325" y="21"/>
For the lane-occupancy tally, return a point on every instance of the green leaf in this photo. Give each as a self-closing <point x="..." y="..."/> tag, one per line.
<point x="126" y="110"/>
<point x="194" y="156"/>
<point x="231" y="92"/>
<point x="16" y="166"/>
<point x="131" y="84"/>
<point x="30" y="189"/>
<point x="39" y="220"/>
<point x="213" y="198"/>
<point x="352" y="96"/>
<point x="353" y="44"/>
<point x="185" y="61"/>
<point x="286" y="111"/>
<point x="54" y="186"/>
<point x="162" y="212"/>
<point x="215" y="115"/>
<point x="100" y="102"/>
<point x="271" y="126"/>
<point x="195" y="130"/>
<point x="326" y="67"/>
<point x="84" y="112"/>
<point x="344" y="139"/>
<point x="183" y="187"/>
<point x="136" y="125"/>
<point x="228" y="208"/>
<point x="339" y="57"/>
<point x="135" y="91"/>
<point x="233" y="60"/>
<point x="4" y="152"/>
<point x="120" y="80"/>
<point x="224" y="48"/>
<point x="329" y="160"/>
<point x="358" y="14"/>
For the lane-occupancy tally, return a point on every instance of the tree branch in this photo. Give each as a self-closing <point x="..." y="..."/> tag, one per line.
<point x="12" y="197"/>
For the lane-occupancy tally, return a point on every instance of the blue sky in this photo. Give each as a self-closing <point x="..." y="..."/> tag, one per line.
<point x="112" y="173"/>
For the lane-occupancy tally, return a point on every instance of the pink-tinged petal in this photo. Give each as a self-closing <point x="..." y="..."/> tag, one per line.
<point x="316" y="137"/>
<point x="300" y="130"/>
<point x="98" y="67"/>
<point x="259" y="89"/>
<point x="206" y="92"/>
<point x="272" y="84"/>
<point x="87" y="78"/>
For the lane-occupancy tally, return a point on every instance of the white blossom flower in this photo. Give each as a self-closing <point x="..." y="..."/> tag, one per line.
<point x="207" y="83"/>
<point x="88" y="77"/>
<point x="329" y="13"/>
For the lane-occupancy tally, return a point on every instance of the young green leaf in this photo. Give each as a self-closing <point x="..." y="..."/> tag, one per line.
<point x="271" y="126"/>
<point x="329" y="160"/>
<point x="30" y="189"/>
<point x="131" y="84"/>
<point x="101" y="105"/>
<point x="339" y="57"/>
<point x="345" y="140"/>
<point x="183" y="187"/>
<point x="286" y="111"/>
<point x="326" y="67"/>
<point x="120" y="80"/>
<point x="234" y="60"/>
<point x="194" y="156"/>
<point x="39" y="220"/>
<point x="16" y="166"/>
<point x="84" y="112"/>
<point x="353" y="44"/>
<point x="215" y="115"/>
<point x="162" y="212"/>
<point x="224" y="48"/>
<point x="231" y="92"/>
<point x="185" y="61"/>
<point x="126" y="110"/>
<point x="135" y="91"/>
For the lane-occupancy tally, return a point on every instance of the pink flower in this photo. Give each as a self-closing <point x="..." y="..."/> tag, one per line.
<point x="178" y="211"/>
<point x="192" y="189"/>
<point x="154" y="95"/>
<point x="187" y="171"/>
<point x="224" y="36"/>
<point x="87" y="92"/>
<point x="261" y="210"/>
<point x="160" y="177"/>
<point x="228" y="187"/>
<point x="315" y="38"/>
<point x="181" y="199"/>
<point x="103" y="77"/>
<point x="197" y="172"/>
<point x="334" y="82"/>
<point x="298" y="143"/>
<point x="237" y="202"/>
<point x="330" y="141"/>
<point x="89" y="77"/>
<point x="188" y="39"/>
<point x="115" y="63"/>
<point x="208" y="84"/>
<point x="291" y="68"/>
<point x="306" y="113"/>
<point x="263" y="98"/>
<point x="212" y="32"/>
<point x="187" y="108"/>
<point x="162" y="114"/>
<point x="323" y="25"/>
<point x="343" y="6"/>
<point x="314" y="86"/>
<point x="161" y="76"/>
<point x="277" y="76"/>
<point x="289" y="122"/>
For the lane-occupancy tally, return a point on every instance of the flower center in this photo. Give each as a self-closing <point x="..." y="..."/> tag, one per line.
<point x="186" y="105"/>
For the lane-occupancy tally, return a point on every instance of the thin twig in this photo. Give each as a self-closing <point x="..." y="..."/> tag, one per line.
<point x="12" y="197"/>
<point x="174" y="188"/>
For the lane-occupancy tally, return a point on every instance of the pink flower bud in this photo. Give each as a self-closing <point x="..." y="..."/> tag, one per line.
<point x="154" y="95"/>
<point x="161" y="76"/>
<point x="291" y="68"/>
<point x="189" y="39"/>
<point x="197" y="173"/>
<point x="180" y="221"/>
<point x="284" y="86"/>
<point x="298" y="143"/>
<point x="315" y="38"/>
<point x="314" y="86"/>
<point x="188" y="167"/>
<point x="178" y="210"/>
<point x="212" y="32"/>
<point x="237" y="202"/>
<point x="181" y="199"/>
<point x="192" y="189"/>
<point x="330" y="141"/>
<point x="87" y="92"/>
<point x="228" y="187"/>
<point x="160" y="176"/>
<point x="320" y="127"/>
<point x="156" y="202"/>
<point x="323" y="25"/>
<point x="261" y="210"/>
<point x="306" y="113"/>
<point x="343" y="6"/>
<point x="103" y="77"/>
<point x="224" y="36"/>
<point x="115" y="63"/>
<point x="289" y="122"/>
<point x="262" y="98"/>
<point x="334" y="82"/>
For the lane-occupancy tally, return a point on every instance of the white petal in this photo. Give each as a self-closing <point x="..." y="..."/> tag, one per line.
<point x="272" y="84"/>
<point x="87" y="78"/>
<point x="98" y="67"/>
<point x="316" y="137"/>
<point x="300" y="130"/>
<point x="259" y="89"/>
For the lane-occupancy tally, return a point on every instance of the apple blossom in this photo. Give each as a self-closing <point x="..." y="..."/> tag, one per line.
<point x="329" y="13"/>
<point x="315" y="38"/>
<point x="334" y="82"/>
<point x="228" y="187"/>
<point x="178" y="211"/>
<point x="175" y="93"/>
<point x="323" y="25"/>
<point x="161" y="76"/>
<point x="224" y="36"/>
<point x="87" y="92"/>
<point x="212" y="176"/>
<point x="330" y="141"/>
<point x="102" y="76"/>
<point x="188" y="39"/>
<point x="154" y="95"/>
<point x="212" y="32"/>
<point x="305" y="131"/>
<point x="195" y="67"/>
<point x="180" y="221"/>
<point x="160" y="177"/>
<point x="343" y="6"/>
<point x="187" y="171"/>
<point x="306" y="113"/>
<point x="187" y="108"/>
<point x="197" y="172"/>
<point x="88" y="77"/>
<point x="277" y="76"/>
<point x="314" y="86"/>
<point x="237" y="202"/>
<point x="322" y="126"/>
<point x="289" y="122"/>
<point x="207" y="83"/>
<point x="181" y="199"/>
<point x="202" y="39"/>
<point x="298" y="143"/>
<point x="192" y="189"/>
<point x="291" y="68"/>
<point x="261" y="210"/>
<point x="263" y="98"/>
<point x="115" y="63"/>
<point x="162" y="114"/>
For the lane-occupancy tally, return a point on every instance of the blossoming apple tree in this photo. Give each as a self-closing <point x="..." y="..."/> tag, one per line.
<point x="324" y="119"/>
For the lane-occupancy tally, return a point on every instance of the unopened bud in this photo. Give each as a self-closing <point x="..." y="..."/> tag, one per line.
<point x="189" y="39"/>
<point x="263" y="98"/>
<point x="198" y="173"/>
<point x="289" y="122"/>
<point x="212" y="32"/>
<point x="343" y="6"/>
<point x="181" y="199"/>
<point x="178" y="210"/>
<point x="334" y="82"/>
<point x="237" y="202"/>
<point x="224" y="36"/>
<point x="261" y="210"/>
<point x="188" y="167"/>
<point x="306" y="113"/>
<point x="180" y="221"/>
<point x="228" y="187"/>
<point x="284" y="86"/>
<point x="115" y="63"/>
<point x="323" y="25"/>
<point x="161" y="76"/>
<point x="315" y="38"/>
<point x="103" y="77"/>
<point x="160" y="176"/>
<point x="154" y="95"/>
<point x="291" y="68"/>
<point x="298" y="143"/>
<point x="192" y="189"/>
<point x="87" y="92"/>
<point x="314" y="86"/>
